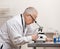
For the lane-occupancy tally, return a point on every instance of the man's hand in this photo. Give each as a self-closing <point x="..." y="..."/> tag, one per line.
<point x="49" y="39"/>
<point x="34" y="37"/>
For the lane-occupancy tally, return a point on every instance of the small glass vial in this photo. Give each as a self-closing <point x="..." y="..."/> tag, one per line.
<point x="59" y="38"/>
<point x="54" y="38"/>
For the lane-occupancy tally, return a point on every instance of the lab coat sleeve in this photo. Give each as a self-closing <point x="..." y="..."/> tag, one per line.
<point x="3" y="33"/>
<point x="16" y="37"/>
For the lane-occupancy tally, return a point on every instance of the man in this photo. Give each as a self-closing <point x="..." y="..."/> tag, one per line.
<point x="17" y="31"/>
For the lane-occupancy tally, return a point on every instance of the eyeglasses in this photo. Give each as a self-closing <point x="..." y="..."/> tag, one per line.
<point x="40" y="28"/>
<point x="33" y="19"/>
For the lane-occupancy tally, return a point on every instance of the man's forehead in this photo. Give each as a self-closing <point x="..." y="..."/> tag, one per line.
<point x="34" y="14"/>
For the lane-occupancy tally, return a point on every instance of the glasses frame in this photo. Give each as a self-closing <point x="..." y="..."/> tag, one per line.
<point x="33" y="19"/>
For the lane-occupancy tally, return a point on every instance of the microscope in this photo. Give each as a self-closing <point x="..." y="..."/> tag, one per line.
<point x="41" y="35"/>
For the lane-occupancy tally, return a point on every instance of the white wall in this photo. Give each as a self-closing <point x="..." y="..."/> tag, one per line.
<point x="49" y="10"/>
<point x="50" y="13"/>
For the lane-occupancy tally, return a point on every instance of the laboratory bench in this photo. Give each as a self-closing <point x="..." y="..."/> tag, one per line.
<point x="46" y="44"/>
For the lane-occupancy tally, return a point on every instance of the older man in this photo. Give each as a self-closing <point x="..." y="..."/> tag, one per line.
<point x="17" y="31"/>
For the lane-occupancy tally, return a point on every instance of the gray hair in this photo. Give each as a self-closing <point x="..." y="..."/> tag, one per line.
<point x="30" y="10"/>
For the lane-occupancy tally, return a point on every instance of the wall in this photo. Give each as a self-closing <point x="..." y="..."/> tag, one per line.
<point x="49" y="10"/>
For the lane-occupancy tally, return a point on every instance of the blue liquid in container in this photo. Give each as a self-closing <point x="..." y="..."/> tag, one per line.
<point x="54" y="40"/>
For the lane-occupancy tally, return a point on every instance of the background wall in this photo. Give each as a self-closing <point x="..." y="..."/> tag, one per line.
<point x="48" y="11"/>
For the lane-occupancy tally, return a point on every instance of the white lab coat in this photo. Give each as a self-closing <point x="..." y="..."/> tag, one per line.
<point x="12" y="33"/>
